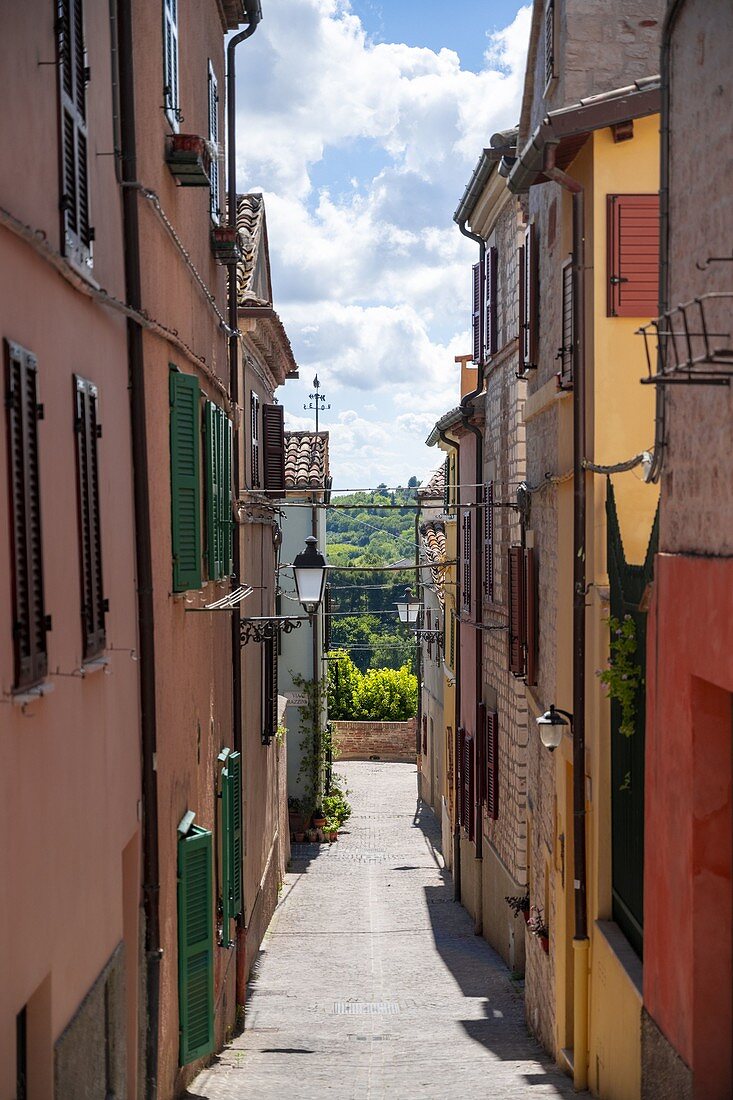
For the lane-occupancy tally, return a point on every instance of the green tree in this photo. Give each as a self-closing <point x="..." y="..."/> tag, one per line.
<point x="386" y="695"/>
<point x="344" y="680"/>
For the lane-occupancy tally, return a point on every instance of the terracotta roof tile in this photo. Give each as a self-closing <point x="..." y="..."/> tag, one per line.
<point x="432" y="545"/>
<point x="306" y="460"/>
<point x="250" y="225"/>
<point x="435" y="487"/>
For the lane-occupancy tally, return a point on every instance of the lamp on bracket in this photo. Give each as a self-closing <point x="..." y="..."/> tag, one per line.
<point x="310" y="569"/>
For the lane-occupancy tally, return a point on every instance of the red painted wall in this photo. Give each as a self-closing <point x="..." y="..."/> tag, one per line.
<point x="688" y="947"/>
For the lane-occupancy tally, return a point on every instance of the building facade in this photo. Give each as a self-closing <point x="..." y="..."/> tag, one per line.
<point x="431" y="552"/>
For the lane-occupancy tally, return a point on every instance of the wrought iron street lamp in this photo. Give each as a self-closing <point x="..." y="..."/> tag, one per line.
<point x="408" y="608"/>
<point x="310" y="569"/>
<point x="552" y="725"/>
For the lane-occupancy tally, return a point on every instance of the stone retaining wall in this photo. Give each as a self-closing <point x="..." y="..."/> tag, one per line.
<point x="394" y="741"/>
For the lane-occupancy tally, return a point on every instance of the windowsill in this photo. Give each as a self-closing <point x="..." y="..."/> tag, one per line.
<point x="96" y="664"/>
<point x="623" y="952"/>
<point x="29" y="695"/>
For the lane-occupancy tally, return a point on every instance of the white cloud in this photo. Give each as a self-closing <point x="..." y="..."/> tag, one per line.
<point x="370" y="275"/>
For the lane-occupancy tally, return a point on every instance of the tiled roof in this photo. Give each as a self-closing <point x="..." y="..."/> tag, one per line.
<point x="306" y="460"/>
<point x="252" y="234"/>
<point x="435" y="487"/>
<point x="432" y="544"/>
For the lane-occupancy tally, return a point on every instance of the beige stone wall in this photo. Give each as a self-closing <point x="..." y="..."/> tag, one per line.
<point x="375" y="740"/>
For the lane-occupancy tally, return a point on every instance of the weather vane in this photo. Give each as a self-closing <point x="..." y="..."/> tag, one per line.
<point x="317" y="400"/>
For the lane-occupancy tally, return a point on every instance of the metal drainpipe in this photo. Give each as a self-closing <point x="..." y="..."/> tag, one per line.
<point x="455" y="444"/>
<point x="478" y="556"/>
<point x="255" y="14"/>
<point x="143" y="549"/>
<point x="580" y="939"/>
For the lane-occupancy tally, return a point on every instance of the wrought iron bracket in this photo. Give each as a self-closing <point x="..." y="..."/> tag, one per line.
<point x="264" y="627"/>
<point x="430" y="636"/>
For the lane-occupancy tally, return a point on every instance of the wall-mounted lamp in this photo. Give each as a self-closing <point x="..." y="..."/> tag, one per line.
<point x="408" y="608"/>
<point x="552" y="725"/>
<point x="310" y="569"/>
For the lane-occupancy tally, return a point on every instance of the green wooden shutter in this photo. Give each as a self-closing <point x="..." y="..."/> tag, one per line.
<point x="234" y="768"/>
<point x="214" y="463"/>
<point x="226" y="855"/>
<point x="195" y="946"/>
<point x="185" y="488"/>
<point x="226" y="496"/>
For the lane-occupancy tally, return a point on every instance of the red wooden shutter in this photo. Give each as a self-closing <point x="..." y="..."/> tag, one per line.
<point x="254" y="426"/>
<point x="633" y="255"/>
<point x="530" y="589"/>
<point x="476" y="312"/>
<point x="29" y="616"/>
<point x="517" y="613"/>
<point x="565" y="351"/>
<point x="88" y="430"/>
<point x="491" y="336"/>
<point x="529" y="270"/>
<point x="466" y="568"/>
<point x="461" y="778"/>
<point x="77" y="234"/>
<point x="492" y="763"/>
<point x="489" y="540"/>
<point x="273" y="441"/>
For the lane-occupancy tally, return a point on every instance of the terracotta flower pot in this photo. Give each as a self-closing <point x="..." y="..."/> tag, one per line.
<point x="333" y="835"/>
<point x="299" y="838"/>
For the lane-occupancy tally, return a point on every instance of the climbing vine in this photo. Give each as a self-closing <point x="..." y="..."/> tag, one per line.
<point x="315" y="742"/>
<point x="623" y="677"/>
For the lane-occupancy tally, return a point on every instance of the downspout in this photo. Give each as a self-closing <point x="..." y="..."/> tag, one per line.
<point x="143" y="549"/>
<point x="580" y="939"/>
<point x="456" y="445"/>
<point x="254" y="15"/>
<point x="466" y="408"/>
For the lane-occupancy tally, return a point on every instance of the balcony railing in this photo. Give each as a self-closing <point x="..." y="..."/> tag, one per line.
<point x="691" y="344"/>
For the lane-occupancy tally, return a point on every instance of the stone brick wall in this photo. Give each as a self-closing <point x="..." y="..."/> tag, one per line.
<point x="375" y="740"/>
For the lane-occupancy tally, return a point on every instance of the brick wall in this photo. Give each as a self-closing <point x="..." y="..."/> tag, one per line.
<point x="381" y="740"/>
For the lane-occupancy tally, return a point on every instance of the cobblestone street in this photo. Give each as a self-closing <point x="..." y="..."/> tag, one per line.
<point x="371" y="983"/>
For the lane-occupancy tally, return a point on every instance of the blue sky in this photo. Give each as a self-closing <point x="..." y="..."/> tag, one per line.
<point x="361" y="123"/>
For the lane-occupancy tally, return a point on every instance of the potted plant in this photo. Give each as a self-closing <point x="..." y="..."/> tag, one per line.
<point x="331" y="830"/>
<point x="312" y="835"/>
<point x="319" y="819"/>
<point x="519" y="904"/>
<point x="537" y="927"/>
<point x="299" y="836"/>
<point x="188" y="157"/>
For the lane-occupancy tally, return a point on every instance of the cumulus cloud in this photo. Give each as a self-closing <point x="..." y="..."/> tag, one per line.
<point x="370" y="275"/>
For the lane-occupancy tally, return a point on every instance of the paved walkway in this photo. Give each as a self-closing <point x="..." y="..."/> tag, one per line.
<point x="371" y="982"/>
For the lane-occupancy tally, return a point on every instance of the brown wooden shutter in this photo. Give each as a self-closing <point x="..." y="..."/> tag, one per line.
<point x="88" y="430"/>
<point x="476" y="312"/>
<point x="469" y="784"/>
<point x="489" y="540"/>
<point x="76" y="232"/>
<point x="480" y="782"/>
<point x="529" y="271"/>
<point x="269" y="690"/>
<point x="491" y="334"/>
<point x="466" y="567"/>
<point x="517" y="612"/>
<point x="254" y="427"/>
<point x="492" y="763"/>
<point x="549" y="41"/>
<point x="531" y="630"/>
<point x="29" y="615"/>
<point x="273" y="444"/>
<point x="522" y="308"/>
<point x="460" y="778"/>
<point x="565" y="351"/>
<point x="633" y="255"/>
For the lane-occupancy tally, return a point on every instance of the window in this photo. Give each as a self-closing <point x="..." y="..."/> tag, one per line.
<point x="195" y="945"/>
<point x="633" y="255"/>
<point x="171" y="100"/>
<point x="269" y="690"/>
<point x="88" y="430"/>
<point x="491" y="742"/>
<point x="565" y="351"/>
<point x="231" y="842"/>
<point x="528" y="298"/>
<point x="466" y="562"/>
<point x="185" y="486"/>
<point x="549" y="42"/>
<point x="218" y="464"/>
<point x="76" y="232"/>
<point x="30" y="623"/>
<point x="489" y="540"/>
<point x="468" y="795"/>
<point x="273" y="444"/>
<point x="523" y="619"/>
<point x="214" y="139"/>
<point x="254" y="418"/>
<point x="476" y="311"/>
<point x="491" y="336"/>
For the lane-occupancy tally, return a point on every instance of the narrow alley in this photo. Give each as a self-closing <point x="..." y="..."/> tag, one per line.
<point x="371" y="982"/>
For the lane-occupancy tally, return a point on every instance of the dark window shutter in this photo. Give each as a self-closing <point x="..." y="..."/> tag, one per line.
<point x="489" y="540"/>
<point x="461" y="778"/>
<point x="29" y="614"/>
<point x="565" y="353"/>
<point x="549" y="41"/>
<point x="469" y="779"/>
<point x="429" y="626"/>
<point x="234" y="768"/>
<point x="171" y="98"/>
<point x="214" y="140"/>
<point x="529" y="270"/>
<point x="273" y="442"/>
<point x="466" y="565"/>
<point x="269" y="690"/>
<point x="227" y="511"/>
<point x="491" y="338"/>
<point x="492" y="763"/>
<point x="75" y="229"/>
<point x="446" y="485"/>
<point x="476" y="323"/>
<point x="480" y="781"/>
<point x="531" y="631"/>
<point x="254" y="427"/>
<point x="185" y="487"/>
<point x="633" y="255"/>
<point x="93" y="603"/>
<point x="517" y="612"/>
<point x="213" y="465"/>
<point x="195" y="946"/>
